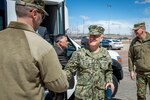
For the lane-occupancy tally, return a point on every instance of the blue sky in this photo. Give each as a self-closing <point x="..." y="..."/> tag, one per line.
<point x="116" y="16"/>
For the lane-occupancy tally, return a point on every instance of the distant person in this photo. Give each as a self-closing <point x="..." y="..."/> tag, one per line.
<point x="84" y="42"/>
<point x="139" y="59"/>
<point x="93" y="68"/>
<point x="61" y="45"/>
<point x="27" y="62"/>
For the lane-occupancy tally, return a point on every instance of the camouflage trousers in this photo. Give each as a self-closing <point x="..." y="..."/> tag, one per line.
<point x="142" y="81"/>
<point x="89" y="99"/>
<point x="94" y="96"/>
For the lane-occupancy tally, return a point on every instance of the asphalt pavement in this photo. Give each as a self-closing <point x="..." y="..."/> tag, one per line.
<point x="127" y="88"/>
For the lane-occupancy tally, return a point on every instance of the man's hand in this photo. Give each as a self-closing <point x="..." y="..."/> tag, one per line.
<point x="133" y="75"/>
<point x="111" y="85"/>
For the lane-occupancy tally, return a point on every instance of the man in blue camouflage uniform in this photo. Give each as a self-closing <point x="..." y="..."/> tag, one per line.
<point x="139" y="59"/>
<point x="93" y="68"/>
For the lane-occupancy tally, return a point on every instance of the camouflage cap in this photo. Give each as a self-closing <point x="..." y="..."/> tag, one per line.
<point x="139" y="25"/>
<point x="96" y="30"/>
<point x="39" y="4"/>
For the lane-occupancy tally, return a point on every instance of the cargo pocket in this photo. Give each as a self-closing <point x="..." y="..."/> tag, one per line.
<point x="84" y="91"/>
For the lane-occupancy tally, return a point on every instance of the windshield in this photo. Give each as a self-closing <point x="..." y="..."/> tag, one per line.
<point x="116" y="41"/>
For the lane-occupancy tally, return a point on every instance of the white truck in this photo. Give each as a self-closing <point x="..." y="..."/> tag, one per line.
<point x="56" y="23"/>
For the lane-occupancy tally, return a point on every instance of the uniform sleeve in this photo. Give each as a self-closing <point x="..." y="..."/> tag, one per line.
<point x="130" y="58"/>
<point x="46" y="60"/>
<point x="72" y="65"/>
<point x="109" y="71"/>
<point x="53" y="76"/>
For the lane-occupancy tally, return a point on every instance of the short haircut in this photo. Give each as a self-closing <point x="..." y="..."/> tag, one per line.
<point x="22" y="11"/>
<point x="59" y="37"/>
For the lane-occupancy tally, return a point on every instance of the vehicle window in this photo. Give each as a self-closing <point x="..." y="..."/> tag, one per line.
<point x="53" y="22"/>
<point x="115" y="41"/>
<point x="3" y="16"/>
<point x="108" y="40"/>
<point x="71" y="48"/>
<point x="1" y="23"/>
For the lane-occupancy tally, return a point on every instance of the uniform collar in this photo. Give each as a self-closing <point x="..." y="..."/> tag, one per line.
<point x="147" y="37"/>
<point x="19" y="25"/>
<point x="99" y="54"/>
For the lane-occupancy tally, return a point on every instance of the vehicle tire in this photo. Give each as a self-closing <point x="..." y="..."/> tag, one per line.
<point x="115" y="82"/>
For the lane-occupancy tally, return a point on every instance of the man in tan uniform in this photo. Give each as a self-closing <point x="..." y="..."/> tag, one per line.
<point x="27" y="62"/>
<point x="139" y="59"/>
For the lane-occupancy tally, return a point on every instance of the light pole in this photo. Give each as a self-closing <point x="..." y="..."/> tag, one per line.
<point x="83" y="24"/>
<point x="130" y="31"/>
<point x="147" y="27"/>
<point x="109" y="6"/>
<point x="84" y="18"/>
<point x="119" y="27"/>
<point x="77" y="29"/>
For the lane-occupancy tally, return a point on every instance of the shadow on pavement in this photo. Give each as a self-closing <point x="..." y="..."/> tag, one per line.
<point x="115" y="99"/>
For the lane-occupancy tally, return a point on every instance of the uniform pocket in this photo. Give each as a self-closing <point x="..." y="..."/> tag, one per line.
<point x="146" y="46"/>
<point x="84" y="91"/>
<point x="86" y="62"/>
<point x="103" y="62"/>
<point x="137" y="51"/>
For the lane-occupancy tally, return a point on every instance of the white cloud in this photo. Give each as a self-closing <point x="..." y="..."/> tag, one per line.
<point x="142" y="1"/>
<point x="71" y="17"/>
<point x="114" y="27"/>
<point x="147" y="11"/>
<point x="147" y="0"/>
<point x="138" y="2"/>
<point x="147" y="22"/>
<point x="121" y="27"/>
<point x="84" y="17"/>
